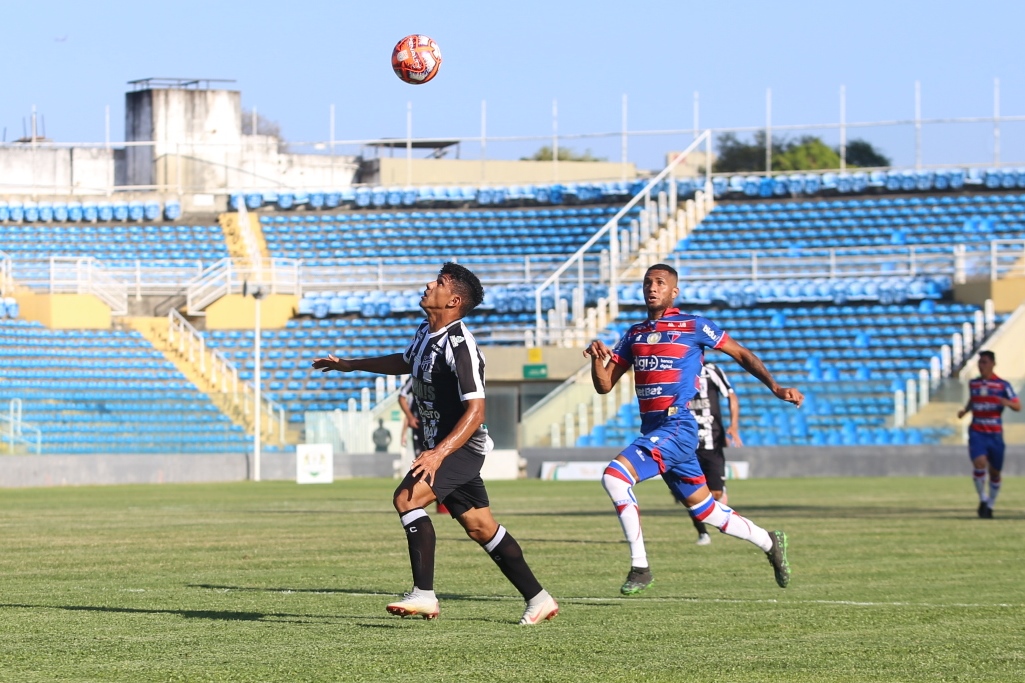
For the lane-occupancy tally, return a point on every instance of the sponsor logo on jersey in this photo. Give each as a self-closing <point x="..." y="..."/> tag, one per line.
<point x="711" y="335"/>
<point x="984" y="390"/>
<point x="422" y="390"/>
<point x="645" y="392"/>
<point x="456" y="340"/>
<point x="654" y="338"/>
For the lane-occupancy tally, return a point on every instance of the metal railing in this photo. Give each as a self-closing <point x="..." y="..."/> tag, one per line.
<point x="73" y="275"/>
<point x="653" y="215"/>
<point x="280" y="275"/>
<point x="18" y="431"/>
<point x="6" y="279"/>
<point x="222" y="373"/>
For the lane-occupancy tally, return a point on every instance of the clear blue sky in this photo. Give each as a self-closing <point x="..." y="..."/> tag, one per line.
<point x="292" y="60"/>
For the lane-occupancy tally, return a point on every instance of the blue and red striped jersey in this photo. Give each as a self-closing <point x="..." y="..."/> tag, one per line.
<point x="666" y="357"/>
<point x="985" y="403"/>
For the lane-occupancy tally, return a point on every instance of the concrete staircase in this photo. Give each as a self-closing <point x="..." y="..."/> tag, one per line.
<point x="208" y="371"/>
<point x="239" y="244"/>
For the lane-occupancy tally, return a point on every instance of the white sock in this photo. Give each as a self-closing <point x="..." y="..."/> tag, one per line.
<point x="539" y="598"/>
<point x="730" y="523"/>
<point x="979" y="479"/>
<point x="420" y="592"/>
<point x="619" y="485"/>
<point x="994" y="491"/>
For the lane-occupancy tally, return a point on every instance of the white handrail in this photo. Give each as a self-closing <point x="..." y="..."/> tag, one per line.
<point x="16" y="428"/>
<point x="611" y="229"/>
<point x="221" y="372"/>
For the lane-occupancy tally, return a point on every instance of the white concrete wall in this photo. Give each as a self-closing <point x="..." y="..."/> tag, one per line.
<point x="30" y="171"/>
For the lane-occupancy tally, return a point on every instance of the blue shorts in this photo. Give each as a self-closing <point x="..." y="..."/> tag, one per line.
<point x="990" y="445"/>
<point x="669" y="450"/>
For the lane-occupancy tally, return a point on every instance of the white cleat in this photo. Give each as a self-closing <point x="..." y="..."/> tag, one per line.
<point x="703" y="539"/>
<point x="546" y="611"/>
<point x="415" y="604"/>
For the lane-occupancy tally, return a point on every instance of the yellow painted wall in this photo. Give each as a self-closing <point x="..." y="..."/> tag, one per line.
<point x="505" y="363"/>
<point x="237" y="312"/>
<point x="392" y="171"/>
<point x="1007" y="294"/>
<point x="64" y="311"/>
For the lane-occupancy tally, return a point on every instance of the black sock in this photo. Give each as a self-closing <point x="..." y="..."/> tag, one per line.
<point x="508" y="555"/>
<point x="421" y="539"/>
<point x="699" y="525"/>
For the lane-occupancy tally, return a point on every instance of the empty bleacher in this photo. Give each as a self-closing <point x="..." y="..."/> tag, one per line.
<point x="107" y="391"/>
<point x="848" y="360"/>
<point x="113" y="244"/>
<point x="365" y="237"/>
<point x="811" y="227"/>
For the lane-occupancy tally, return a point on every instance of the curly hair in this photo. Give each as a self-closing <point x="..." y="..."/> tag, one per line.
<point x="465" y="284"/>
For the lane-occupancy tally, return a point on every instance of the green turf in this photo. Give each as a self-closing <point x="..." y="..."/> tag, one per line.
<point x="893" y="580"/>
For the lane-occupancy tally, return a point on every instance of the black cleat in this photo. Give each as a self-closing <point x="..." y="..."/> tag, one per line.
<point x="637" y="580"/>
<point x="778" y="558"/>
<point x="988" y="513"/>
<point x="983" y="509"/>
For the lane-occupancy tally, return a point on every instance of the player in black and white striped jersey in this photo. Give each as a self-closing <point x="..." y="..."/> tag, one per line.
<point x="706" y="408"/>
<point x="447" y="368"/>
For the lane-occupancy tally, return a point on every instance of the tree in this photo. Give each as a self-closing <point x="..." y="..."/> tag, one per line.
<point x="862" y="153"/>
<point x="565" y="154"/>
<point x="807" y="153"/>
<point x="264" y="126"/>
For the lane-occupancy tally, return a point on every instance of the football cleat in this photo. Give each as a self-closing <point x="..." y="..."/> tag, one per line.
<point x="703" y="539"/>
<point x="415" y="604"/>
<point x="777" y="555"/>
<point x="985" y="511"/>
<point x="545" y="611"/>
<point x="637" y="580"/>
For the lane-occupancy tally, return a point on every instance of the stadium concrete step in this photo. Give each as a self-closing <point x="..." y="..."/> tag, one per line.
<point x="199" y="367"/>
<point x="941" y="414"/>
<point x="233" y="236"/>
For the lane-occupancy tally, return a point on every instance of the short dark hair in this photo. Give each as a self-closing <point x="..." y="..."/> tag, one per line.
<point x="465" y="284"/>
<point x="663" y="266"/>
<point x="988" y="354"/>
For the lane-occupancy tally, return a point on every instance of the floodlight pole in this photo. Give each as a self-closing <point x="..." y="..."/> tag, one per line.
<point x="257" y="294"/>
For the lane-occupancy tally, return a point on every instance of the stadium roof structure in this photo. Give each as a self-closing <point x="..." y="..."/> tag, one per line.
<point x="440" y="147"/>
<point x="164" y="83"/>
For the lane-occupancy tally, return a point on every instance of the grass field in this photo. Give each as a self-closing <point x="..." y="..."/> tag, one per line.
<point x="894" y="580"/>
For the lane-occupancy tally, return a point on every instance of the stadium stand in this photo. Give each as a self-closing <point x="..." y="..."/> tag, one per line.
<point x="809" y="227"/>
<point x="848" y="360"/>
<point x="107" y="391"/>
<point x="114" y="244"/>
<point x="499" y="233"/>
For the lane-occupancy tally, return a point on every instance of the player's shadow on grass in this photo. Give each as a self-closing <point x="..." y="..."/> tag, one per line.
<point x="215" y="615"/>
<point x="360" y="592"/>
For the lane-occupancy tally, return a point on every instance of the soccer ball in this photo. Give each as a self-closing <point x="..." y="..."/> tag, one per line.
<point x="416" y="59"/>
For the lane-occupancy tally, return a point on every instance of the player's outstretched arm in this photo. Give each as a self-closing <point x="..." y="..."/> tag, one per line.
<point x="393" y="364"/>
<point x="604" y="373"/>
<point x="753" y="364"/>
<point x="1012" y="403"/>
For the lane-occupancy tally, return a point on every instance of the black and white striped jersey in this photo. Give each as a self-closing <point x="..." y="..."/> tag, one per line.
<point x="447" y="368"/>
<point x="712" y="386"/>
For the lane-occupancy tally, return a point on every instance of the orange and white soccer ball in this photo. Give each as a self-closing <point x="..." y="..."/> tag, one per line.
<point x="416" y="59"/>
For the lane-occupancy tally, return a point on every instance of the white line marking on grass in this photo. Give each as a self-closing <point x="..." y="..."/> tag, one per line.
<point x="679" y="598"/>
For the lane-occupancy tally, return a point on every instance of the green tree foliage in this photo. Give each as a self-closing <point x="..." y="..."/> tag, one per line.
<point x="806" y="153"/>
<point x="862" y="153"/>
<point x="565" y="154"/>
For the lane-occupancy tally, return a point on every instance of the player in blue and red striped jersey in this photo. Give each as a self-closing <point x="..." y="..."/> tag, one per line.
<point x="988" y="396"/>
<point x="665" y="353"/>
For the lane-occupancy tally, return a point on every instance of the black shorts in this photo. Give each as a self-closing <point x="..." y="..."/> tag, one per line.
<point x="713" y="464"/>
<point x="418" y="442"/>
<point x="457" y="483"/>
